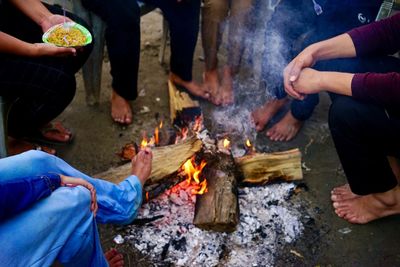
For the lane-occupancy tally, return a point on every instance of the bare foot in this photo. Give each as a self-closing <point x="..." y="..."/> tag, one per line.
<point x="342" y="193"/>
<point x="226" y="89"/>
<point x="211" y="82"/>
<point x="285" y="129"/>
<point x="16" y="146"/>
<point x="114" y="258"/>
<point x="193" y="87"/>
<point x="121" y="111"/>
<point x="367" y="208"/>
<point x="141" y="165"/>
<point x="262" y="115"/>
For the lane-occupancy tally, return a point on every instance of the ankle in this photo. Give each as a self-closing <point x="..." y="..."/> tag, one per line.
<point x="390" y="198"/>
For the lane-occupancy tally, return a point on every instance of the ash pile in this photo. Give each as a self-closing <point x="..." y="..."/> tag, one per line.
<point x="269" y="220"/>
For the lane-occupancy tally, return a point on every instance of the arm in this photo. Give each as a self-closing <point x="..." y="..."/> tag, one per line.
<point x="381" y="89"/>
<point x="378" y="38"/>
<point x="35" y="10"/>
<point x="17" y="195"/>
<point x="338" y="47"/>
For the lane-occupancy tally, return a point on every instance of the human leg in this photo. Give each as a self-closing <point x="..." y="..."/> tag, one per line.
<point x="364" y="136"/>
<point x="214" y="13"/>
<point x="118" y="203"/>
<point x="123" y="43"/>
<point x="279" y="37"/>
<point x="183" y="19"/>
<point x="58" y="227"/>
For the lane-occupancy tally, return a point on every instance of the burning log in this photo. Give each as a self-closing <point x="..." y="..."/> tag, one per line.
<point x="261" y="168"/>
<point x="218" y="209"/>
<point x="166" y="161"/>
<point x="182" y="108"/>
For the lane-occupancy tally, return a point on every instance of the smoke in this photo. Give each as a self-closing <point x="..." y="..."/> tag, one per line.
<point x="266" y="52"/>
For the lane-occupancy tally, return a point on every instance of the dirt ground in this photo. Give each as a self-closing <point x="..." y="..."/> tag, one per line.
<point x="327" y="241"/>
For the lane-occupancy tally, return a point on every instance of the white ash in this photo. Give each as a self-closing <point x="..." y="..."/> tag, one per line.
<point x="268" y="220"/>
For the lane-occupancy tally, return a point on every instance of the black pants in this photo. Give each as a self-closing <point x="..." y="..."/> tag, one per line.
<point x="122" y="19"/>
<point x="41" y="88"/>
<point x="365" y="133"/>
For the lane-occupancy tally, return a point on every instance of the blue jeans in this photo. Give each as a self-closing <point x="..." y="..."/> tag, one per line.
<point x="60" y="227"/>
<point x="118" y="203"/>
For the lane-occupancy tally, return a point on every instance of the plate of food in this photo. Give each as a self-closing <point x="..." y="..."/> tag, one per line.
<point x="67" y="34"/>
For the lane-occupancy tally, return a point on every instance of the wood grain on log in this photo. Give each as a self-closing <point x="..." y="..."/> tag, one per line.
<point x="166" y="161"/>
<point x="183" y="109"/>
<point x="261" y="168"/>
<point x="218" y="209"/>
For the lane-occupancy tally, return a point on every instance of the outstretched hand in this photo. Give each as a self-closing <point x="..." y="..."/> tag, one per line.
<point x="72" y="182"/>
<point x="53" y="20"/>
<point x="292" y="72"/>
<point x="43" y="49"/>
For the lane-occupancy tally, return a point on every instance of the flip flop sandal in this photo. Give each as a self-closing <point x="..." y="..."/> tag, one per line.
<point x="55" y="127"/>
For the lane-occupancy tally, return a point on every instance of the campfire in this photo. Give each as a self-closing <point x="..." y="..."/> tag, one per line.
<point x="199" y="175"/>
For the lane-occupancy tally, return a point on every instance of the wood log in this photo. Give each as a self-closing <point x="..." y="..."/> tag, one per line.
<point x="261" y="168"/>
<point x="218" y="209"/>
<point x="166" y="161"/>
<point x="183" y="109"/>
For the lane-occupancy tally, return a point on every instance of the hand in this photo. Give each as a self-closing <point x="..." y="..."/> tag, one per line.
<point x="42" y="49"/>
<point x="72" y="182"/>
<point x="292" y="71"/>
<point x="52" y="20"/>
<point x="308" y="82"/>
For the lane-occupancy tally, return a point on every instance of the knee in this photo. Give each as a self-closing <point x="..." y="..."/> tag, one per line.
<point x="215" y="10"/>
<point x="79" y="198"/>
<point x="37" y="158"/>
<point x="345" y="114"/>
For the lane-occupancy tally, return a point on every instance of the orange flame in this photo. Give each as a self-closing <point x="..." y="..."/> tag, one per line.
<point x="193" y="172"/>
<point x="147" y="196"/>
<point x="161" y="124"/>
<point x="248" y="143"/>
<point x="198" y="124"/>
<point x="156" y="135"/>
<point x="144" y="143"/>
<point x="226" y="143"/>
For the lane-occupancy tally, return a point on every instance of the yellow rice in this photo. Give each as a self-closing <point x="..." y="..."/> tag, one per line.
<point x="67" y="36"/>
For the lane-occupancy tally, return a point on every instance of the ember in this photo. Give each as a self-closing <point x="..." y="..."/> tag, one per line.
<point x="226" y="143"/>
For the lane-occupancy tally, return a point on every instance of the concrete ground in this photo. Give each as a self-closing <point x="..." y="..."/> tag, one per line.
<point x="327" y="241"/>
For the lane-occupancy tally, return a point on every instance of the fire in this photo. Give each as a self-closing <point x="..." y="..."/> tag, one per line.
<point x="198" y="124"/>
<point x="144" y="143"/>
<point x="248" y="143"/>
<point x="226" y="143"/>
<point x="161" y="124"/>
<point x="193" y="171"/>
<point x="156" y="136"/>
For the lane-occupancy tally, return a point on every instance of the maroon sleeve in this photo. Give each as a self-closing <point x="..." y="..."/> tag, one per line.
<point x="381" y="89"/>
<point x="378" y="38"/>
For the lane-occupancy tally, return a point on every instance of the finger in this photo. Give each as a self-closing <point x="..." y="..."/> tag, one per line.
<point x="297" y="66"/>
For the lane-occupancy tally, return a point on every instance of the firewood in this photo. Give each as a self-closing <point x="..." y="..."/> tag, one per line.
<point x="261" y="168"/>
<point x="166" y="161"/>
<point x="183" y="109"/>
<point x="218" y="209"/>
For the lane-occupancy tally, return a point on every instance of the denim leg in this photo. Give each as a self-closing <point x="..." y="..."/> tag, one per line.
<point x="60" y="227"/>
<point x="303" y="109"/>
<point x="118" y="203"/>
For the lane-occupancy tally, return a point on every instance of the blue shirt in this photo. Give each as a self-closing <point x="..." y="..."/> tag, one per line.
<point x="17" y="195"/>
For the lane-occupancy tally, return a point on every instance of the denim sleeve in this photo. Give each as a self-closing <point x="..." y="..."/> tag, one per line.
<point x="17" y="195"/>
